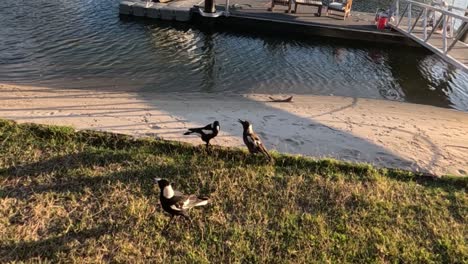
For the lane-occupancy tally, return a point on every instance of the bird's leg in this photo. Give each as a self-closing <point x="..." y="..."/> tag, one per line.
<point x="168" y="223"/>
<point x="208" y="147"/>
<point x="188" y="219"/>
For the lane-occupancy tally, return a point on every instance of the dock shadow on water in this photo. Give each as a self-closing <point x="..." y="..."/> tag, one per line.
<point x="237" y="60"/>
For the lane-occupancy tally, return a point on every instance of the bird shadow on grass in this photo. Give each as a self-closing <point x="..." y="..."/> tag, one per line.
<point x="131" y="171"/>
<point x="49" y="247"/>
<point x="61" y="164"/>
<point x="132" y="178"/>
<point x="94" y="183"/>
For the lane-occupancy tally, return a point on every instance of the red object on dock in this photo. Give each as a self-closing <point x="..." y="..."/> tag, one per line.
<point x="381" y="18"/>
<point x="382" y="23"/>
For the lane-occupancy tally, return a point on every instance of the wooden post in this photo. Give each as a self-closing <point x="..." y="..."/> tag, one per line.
<point x="210" y="6"/>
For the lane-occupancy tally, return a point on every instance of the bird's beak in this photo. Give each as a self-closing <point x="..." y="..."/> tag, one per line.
<point x="157" y="179"/>
<point x="241" y="121"/>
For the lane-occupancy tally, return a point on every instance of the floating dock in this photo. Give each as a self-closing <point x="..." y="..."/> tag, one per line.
<point x="176" y="11"/>
<point x="359" y="26"/>
<point x="242" y="14"/>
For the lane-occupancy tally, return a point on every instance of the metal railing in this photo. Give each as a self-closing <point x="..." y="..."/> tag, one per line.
<point x="427" y="12"/>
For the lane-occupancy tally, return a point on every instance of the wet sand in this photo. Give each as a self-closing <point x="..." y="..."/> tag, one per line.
<point x="383" y="133"/>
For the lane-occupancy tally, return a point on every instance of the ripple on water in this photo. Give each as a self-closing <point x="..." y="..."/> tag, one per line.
<point x="84" y="43"/>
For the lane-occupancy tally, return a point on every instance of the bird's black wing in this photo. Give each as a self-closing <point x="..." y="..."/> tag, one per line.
<point x="257" y="142"/>
<point x="206" y="130"/>
<point x="254" y="140"/>
<point x="177" y="201"/>
<point x="185" y="202"/>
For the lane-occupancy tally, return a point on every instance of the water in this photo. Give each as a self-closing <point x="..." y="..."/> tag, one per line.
<point x="84" y="44"/>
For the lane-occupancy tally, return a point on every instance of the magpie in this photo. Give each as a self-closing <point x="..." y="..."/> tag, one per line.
<point x="252" y="140"/>
<point x="206" y="133"/>
<point x="177" y="203"/>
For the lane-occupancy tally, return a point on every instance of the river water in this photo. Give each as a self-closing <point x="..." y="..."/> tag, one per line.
<point x="85" y="44"/>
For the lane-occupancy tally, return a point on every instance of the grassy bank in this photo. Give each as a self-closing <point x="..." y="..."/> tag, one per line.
<point x="89" y="197"/>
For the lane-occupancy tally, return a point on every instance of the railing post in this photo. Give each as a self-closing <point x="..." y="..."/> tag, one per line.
<point x="425" y="24"/>
<point x="409" y="17"/>
<point x="444" y="34"/>
<point x="397" y="12"/>
<point x="460" y="33"/>
<point x="226" y="12"/>
<point x="451" y="23"/>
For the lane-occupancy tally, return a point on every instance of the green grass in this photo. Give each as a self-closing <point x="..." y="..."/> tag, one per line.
<point x="69" y="196"/>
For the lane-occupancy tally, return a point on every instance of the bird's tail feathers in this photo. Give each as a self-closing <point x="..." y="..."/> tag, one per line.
<point x="270" y="158"/>
<point x="265" y="152"/>
<point x="193" y="130"/>
<point x="201" y="201"/>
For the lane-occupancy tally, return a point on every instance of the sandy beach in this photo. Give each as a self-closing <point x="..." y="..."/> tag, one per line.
<point x="383" y="133"/>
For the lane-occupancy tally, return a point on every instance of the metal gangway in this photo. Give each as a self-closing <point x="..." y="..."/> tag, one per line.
<point x="441" y="29"/>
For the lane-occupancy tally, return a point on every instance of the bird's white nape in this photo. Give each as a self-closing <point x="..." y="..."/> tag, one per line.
<point x="168" y="192"/>
<point x="250" y="129"/>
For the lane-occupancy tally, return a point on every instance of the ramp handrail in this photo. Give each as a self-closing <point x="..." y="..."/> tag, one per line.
<point x="447" y="17"/>
<point x="426" y="6"/>
<point x="457" y="8"/>
<point x="444" y="25"/>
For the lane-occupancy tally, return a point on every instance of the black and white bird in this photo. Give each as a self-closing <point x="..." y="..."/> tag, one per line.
<point x="177" y="203"/>
<point x="206" y="133"/>
<point x="252" y="140"/>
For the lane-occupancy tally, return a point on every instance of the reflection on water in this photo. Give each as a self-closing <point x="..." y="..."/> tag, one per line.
<point x="84" y="44"/>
